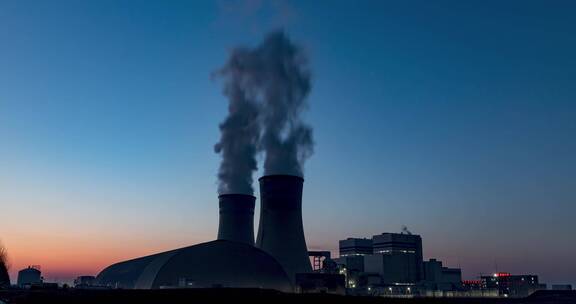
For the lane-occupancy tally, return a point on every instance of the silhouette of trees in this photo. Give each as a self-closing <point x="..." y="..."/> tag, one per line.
<point x="4" y="277"/>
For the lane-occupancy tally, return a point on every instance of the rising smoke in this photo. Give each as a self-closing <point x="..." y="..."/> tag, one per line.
<point x="267" y="88"/>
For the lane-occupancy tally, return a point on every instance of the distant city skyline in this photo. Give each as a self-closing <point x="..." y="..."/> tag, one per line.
<point x="455" y="119"/>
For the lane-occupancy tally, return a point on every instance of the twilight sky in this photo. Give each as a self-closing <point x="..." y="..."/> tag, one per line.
<point x="456" y="119"/>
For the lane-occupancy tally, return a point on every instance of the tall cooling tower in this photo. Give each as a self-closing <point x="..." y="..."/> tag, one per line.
<point x="236" y="218"/>
<point x="280" y="232"/>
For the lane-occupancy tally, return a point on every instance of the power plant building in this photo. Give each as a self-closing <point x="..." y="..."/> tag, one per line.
<point x="29" y="276"/>
<point x="402" y="248"/>
<point x="218" y="263"/>
<point x="438" y="277"/>
<point x="355" y="246"/>
<point x="395" y="257"/>
<point x="392" y="263"/>
<point x="232" y="260"/>
<point x="512" y="285"/>
<point x="393" y="268"/>
<point x="561" y="287"/>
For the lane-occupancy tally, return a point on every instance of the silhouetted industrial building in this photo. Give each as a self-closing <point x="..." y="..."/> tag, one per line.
<point x="321" y="260"/>
<point x="406" y="249"/>
<point x="355" y="246"/>
<point x="232" y="260"/>
<point x="352" y="263"/>
<point x="393" y="268"/>
<point x="512" y="285"/>
<point x="438" y="277"/>
<point x="472" y="284"/>
<point x="218" y="263"/>
<point x="561" y="287"/>
<point x="352" y="252"/>
<point x="320" y="283"/>
<point x="84" y="282"/>
<point x="396" y="257"/>
<point x="29" y="276"/>
<point x="392" y="264"/>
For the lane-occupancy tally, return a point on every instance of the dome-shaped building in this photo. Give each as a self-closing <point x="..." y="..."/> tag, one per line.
<point x="232" y="260"/>
<point x="218" y="263"/>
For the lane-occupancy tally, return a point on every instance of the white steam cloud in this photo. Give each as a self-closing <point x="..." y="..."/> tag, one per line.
<point x="266" y="88"/>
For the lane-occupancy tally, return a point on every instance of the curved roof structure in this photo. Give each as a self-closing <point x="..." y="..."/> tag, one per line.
<point x="217" y="263"/>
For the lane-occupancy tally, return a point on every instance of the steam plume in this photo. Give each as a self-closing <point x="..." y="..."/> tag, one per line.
<point x="267" y="88"/>
<point x="238" y="143"/>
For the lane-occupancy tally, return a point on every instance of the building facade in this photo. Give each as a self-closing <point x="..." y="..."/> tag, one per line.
<point x="397" y="257"/>
<point x="355" y="247"/>
<point x="512" y="285"/>
<point x="438" y="277"/>
<point x="29" y="276"/>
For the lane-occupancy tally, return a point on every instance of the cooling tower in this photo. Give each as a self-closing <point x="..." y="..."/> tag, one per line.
<point x="280" y="232"/>
<point x="236" y="218"/>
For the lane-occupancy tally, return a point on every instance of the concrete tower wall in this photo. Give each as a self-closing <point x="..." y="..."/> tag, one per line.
<point x="236" y="218"/>
<point x="281" y="233"/>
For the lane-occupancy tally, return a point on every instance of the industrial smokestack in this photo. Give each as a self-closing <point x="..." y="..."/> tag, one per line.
<point x="236" y="218"/>
<point x="281" y="233"/>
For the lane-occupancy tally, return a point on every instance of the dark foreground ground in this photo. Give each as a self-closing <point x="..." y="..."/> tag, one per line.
<point x="247" y="296"/>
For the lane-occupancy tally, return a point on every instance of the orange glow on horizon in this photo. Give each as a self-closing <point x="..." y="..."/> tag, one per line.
<point x="63" y="258"/>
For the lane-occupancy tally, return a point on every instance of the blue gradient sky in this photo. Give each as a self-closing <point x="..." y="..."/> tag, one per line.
<point x="456" y="119"/>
